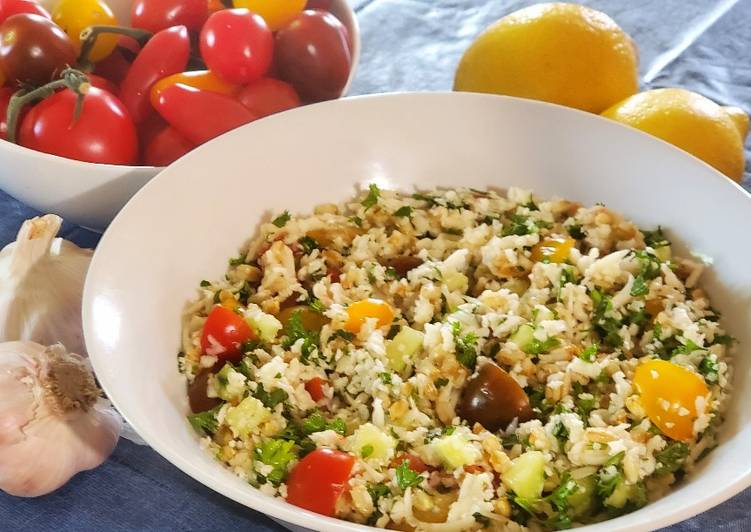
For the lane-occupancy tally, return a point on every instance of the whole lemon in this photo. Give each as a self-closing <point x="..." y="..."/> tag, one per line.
<point x="691" y="122"/>
<point x="561" y="53"/>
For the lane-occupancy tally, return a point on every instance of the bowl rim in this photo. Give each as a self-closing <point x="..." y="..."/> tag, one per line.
<point x="289" y="514"/>
<point x="341" y="7"/>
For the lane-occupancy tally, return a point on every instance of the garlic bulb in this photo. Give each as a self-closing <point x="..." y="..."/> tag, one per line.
<point x="41" y="284"/>
<point x="53" y="421"/>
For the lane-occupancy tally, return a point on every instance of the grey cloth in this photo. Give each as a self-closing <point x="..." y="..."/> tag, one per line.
<point x="408" y="45"/>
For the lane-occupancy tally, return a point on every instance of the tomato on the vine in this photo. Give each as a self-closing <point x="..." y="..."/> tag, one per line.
<point x="157" y="15"/>
<point x="277" y="13"/>
<point x="199" y="79"/>
<point x="33" y="49"/>
<point x="165" y="54"/>
<point x="237" y="45"/>
<point x="268" y="96"/>
<point x="8" y="8"/>
<point x="312" y="54"/>
<point x="103" y="133"/>
<point x="319" y="479"/>
<point x="102" y="83"/>
<point x="74" y="16"/>
<point x="166" y="147"/>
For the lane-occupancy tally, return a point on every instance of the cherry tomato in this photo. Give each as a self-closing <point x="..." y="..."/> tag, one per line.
<point x="315" y="387"/>
<point x="276" y="13"/>
<point x="33" y="49"/>
<point x="216" y="5"/>
<point x="199" y="79"/>
<point x="114" y="67"/>
<point x="237" y="45"/>
<point x="102" y="83"/>
<point x="313" y="55"/>
<point x="201" y="115"/>
<point x="198" y="396"/>
<point x="325" y="5"/>
<point x="165" y="54"/>
<point x="554" y="250"/>
<point x="8" y="8"/>
<point x="74" y="16"/>
<point x="268" y="96"/>
<point x="414" y="462"/>
<point x="166" y="147"/>
<point x="103" y="133"/>
<point x="493" y="399"/>
<point x="157" y="15"/>
<point x="224" y="333"/>
<point x="358" y="312"/>
<point x="319" y="479"/>
<point x="2" y="78"/>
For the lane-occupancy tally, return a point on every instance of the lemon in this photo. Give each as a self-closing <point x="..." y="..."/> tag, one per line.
<point x="691" y="122"/>
<point x="562" y="53"/>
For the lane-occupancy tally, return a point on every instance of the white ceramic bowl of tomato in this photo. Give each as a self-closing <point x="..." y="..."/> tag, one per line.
<point x="49" y="165"/>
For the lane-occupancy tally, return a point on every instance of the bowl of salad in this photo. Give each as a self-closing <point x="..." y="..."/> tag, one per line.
<point x="500" y="326"/>
<point x="98" y="95"/>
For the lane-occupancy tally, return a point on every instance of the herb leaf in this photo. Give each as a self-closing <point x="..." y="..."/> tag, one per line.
<point x="295" y="331"/>
<point x="671" y="458"/>
<point x="403" y="212"/>
<point x="406" y="477"/>
<point x="270" y="399"/>
<point x="277" y="453"/>
<point x="281" y="220"/>
<point x="205" y="422"/>
<point x="589" y="354"/>
<point x="466" y="346"/>
<point x="372" y="197"/>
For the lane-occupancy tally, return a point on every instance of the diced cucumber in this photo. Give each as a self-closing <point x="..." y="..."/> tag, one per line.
<point x="456" y="281"/>
<point x="526" y="476"/>
<point x="624" y="493"/>
<point x="523" y="337"/>
<point x="266" y="325"/>
<point x="664" y="253"/>
<point x="455" y="450"/>
<point x="403" y="347"/>
<point x="582" y="502"/>
<point x="247" y="416"/>
<point x="372" y="444"/>
<point x="229" y="384"/>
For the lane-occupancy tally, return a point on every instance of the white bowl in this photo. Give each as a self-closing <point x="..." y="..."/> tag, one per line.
<point x="171" y="236"/>
<point x="91" y="194"/>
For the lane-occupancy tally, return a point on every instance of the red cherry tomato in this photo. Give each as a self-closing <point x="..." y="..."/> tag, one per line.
<point x="224" y="333"/>
<point x="102" y="83"/>
<point x="114" y="67"/>
<point x="313" y="55"/>
<point x="149" y="129"/>
<point x="200" y="79"/>
<point x="315" y="388"/>
<point x="237" y="45"/>
<point x="319" y="479"/>
<point x="414" y="462"/>
<point x="8" y="8"/>
<point x="268" y="96"/>
<point x="157" y="15"/>
<point x="103" y="133"/>
<point x="166" y="53"/>
<point x="166" y="147"/>
<point x="201" y="115"/>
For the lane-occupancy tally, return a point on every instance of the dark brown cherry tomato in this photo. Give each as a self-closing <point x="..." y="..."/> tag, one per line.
<point x="157" y="15"/>
<point x="403" y="264"/>
<point x="493" y="399"/>
<point x="103" y="133"/>
<point x="269" y="96"/>
<point x="33" y="49"/>
<point x="313" y="55"/>
<point x="197" y="393"/>
<point x="311" y="320"/>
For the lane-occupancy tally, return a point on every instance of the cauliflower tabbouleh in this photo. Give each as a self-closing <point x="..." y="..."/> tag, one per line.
<point x="458" y="360"/>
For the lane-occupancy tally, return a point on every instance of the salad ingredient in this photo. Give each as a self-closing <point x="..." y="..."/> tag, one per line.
<point x="41" y="285"/>
<point x="268" y="96"/>
<point x="33" y="49"/>
<point x="237" y="45"/>
<point x="313" y="55"/>
<point x="224" y="333"/>
<point x="315" y="387"/>
<point x="670" y="394"/>
<point x="74" y="16"/>
<point x="554" y="250"/>
<point x="166" y="147"/>
<point x="526" y="475"/>
<point x="8" y="8"/>
<point x="402" y="349"/>
<point x="201" y="115"/>
<point x="204" y="80"/>
<point x="494" y="399"/>
<point x="277" y="14"/>
<point x="55" y="422"/>
<point x="158" y="15"/>
<point x="567" y="54"/>
<point x="366" y="309"/>
<point x="319" y="479"/>
<point x="691" y="122"/>
<point x="165" y="54"/>
<point x="310" y="319"/>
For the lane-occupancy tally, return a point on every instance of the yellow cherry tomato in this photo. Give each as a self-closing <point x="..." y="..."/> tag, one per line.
<point x="74" y="16"/>
<point x="553" y="250"/>
<point x="668" y="395"/>
<point x="276" y="13"/>
<point x="199" y="79"/>
<point x="358" y="312"/>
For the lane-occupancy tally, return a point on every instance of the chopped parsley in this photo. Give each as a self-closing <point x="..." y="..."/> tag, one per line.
<point x="205" y="422"/>
<point x="424" y="197"/>
<point x="277" y="453"/>
<point x="308" y="244"/>
<point x="518" y="225"/>
<point x="344" y="335"/>
<point x="316" y="422"/>
<point x="453" y="231"/>
<point x="607" y="482"/>
<point x="655" y="239"/>
<point x="560" y="432"/>
<point x="372" y="197"/>
<point x="378" y="491"/>
<point x="709" y="368"/>
<point x="366" y="451"/>
<point x="205" y="283"/>
<point x="316" y="305"/>
<point x="671" y="458"/>
<point x="441" y="382"/>
<point x="406" y="477"/>
<point x="616" y="459"/>
<point x="723" y="339"/>
<point x="639" y="288"/>
<point x="403" y="212"/>
<point x="537" y="347"/>
<point x="577" y="232"/>
<point x="466" y="346"/>
<point x="589" y="354"/>
<point x="391" y="273"/>
<point x="483" y="520"/>
<point x="295" y="331"/>
<point x="607" y="327"/>
<point x="385" y="377"/>
<point x="237" y="261"/>
<point x="686" y="349"/>
<point x="270" y="399"/>
<point x="281" y="220"/>
<point x="559" y="497"/>
<point x="356" y="220"/>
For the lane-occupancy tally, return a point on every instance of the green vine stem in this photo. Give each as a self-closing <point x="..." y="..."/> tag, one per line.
<point x="70" y="78"/>
<point x="90" y="35"/>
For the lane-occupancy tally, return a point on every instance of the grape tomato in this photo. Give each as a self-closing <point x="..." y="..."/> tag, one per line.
<point x="198" y="79"/>
<point x="268" y="96"/>
<point x="74" y="16"/>
<point x="157" y="15"/>
<point x="166" y="147"/>
<point x="276" y="13"/>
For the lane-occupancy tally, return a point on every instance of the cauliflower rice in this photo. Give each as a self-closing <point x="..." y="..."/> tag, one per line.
<point x="568" y="300"/>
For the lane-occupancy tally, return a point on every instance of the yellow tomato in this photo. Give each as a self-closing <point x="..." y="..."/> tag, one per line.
<point x="276" y="13"/>
<point x="358" y="312"/>
<point x="74" y="16"/>
<point x="553" y="250"/>
<point x="668" y="395"/>
<point x="200" y="79"/>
